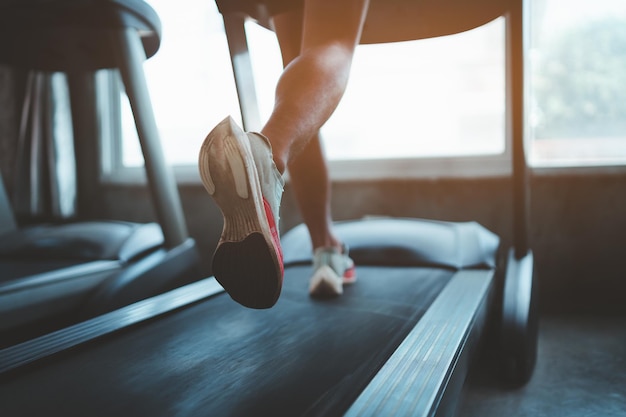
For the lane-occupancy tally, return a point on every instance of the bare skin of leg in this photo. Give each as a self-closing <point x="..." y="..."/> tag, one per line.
<point x="317" y="47"/>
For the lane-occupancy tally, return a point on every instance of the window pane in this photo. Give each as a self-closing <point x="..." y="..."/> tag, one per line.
<point x="438" y="97"/>
<point x="429" y="98"/>
<point x="578" y="82"/>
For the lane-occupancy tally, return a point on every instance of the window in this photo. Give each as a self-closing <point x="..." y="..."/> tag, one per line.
<point x="578" y="82"/>
<point x="440" y="100"/>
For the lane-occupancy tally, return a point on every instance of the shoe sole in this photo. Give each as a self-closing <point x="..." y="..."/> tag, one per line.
<point x="246" y="261"/>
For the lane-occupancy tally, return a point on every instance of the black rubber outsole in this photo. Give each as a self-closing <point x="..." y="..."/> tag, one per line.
<point x="247" y="271"/>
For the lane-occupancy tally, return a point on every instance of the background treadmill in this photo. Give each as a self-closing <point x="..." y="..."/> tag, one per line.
<point x="65" y="270"/>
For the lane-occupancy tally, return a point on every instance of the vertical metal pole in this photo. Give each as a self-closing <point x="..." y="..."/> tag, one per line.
<point x="85" y="129"/>
<point x="21" y="181"/>
<point x="36" y="146"/>
<point x="242" y="70"/>
<point x="515" y="115"/>
<point x="7" y="220"/>
<point x="131" y="56"/>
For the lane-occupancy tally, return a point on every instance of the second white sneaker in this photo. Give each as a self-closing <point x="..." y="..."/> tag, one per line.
<point x="332" y="268"/>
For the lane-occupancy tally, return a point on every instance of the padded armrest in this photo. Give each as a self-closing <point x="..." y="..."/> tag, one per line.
<point x="404" y="242"/>
<point x="88" y="241"/>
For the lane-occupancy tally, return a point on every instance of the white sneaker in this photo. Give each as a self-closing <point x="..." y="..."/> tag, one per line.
<point x="238" y="171"/>
<point x="332" y="269"/>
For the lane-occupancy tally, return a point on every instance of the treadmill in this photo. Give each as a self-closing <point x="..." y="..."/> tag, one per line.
<point x="398" y="342"/>
<point x="61" y="271"/>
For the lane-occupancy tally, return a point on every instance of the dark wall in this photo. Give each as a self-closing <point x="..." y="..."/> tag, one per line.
<point x="577" y="224"/>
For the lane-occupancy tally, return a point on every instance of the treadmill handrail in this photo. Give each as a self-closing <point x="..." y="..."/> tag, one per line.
<point x="516" y="41"/>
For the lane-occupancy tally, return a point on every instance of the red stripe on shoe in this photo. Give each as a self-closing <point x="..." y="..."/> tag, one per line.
<point x="349" y="273"/>
<point x="275" y="237"/>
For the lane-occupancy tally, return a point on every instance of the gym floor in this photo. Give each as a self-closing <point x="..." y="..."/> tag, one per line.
<point x="581" y="371"/>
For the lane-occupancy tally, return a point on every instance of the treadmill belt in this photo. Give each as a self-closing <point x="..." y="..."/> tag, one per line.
<point x="216" y="358"/>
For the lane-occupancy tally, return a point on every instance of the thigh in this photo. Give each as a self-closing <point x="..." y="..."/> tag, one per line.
<point x="288" y="28"/>
<point x="333" y="21"/>
<point x="276" y="7"/>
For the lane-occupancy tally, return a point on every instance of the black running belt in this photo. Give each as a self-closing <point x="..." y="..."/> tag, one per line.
<point x="216" y="358"/>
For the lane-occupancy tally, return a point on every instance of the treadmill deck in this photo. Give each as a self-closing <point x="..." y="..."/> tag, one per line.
<point x="218" y="358"/>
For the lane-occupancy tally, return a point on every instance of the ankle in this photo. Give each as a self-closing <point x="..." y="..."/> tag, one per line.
<point x="327" y="244"/>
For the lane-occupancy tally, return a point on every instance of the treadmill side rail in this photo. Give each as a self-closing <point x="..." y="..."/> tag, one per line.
<point x="16" y="356"/>
<point x="421" y="371"/>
